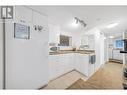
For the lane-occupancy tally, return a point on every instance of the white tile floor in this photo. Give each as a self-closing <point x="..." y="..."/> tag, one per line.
<point x="65" y="81"/>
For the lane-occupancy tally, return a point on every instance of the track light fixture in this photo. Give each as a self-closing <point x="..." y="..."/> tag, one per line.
<point x="80" y="21"/>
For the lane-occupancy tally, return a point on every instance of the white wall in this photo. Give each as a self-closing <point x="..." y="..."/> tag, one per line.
<point x="76" y="39"/>
<point x="102" y="49"/>
<point x="91" y="42"/>
<point x="97" y="49"/>
<point x="106" y="57"/>
<point x="27" y="60"/>
<point x="99" y="46"/>
<point x="55" y="31"/>
<point x="1" y="57"/>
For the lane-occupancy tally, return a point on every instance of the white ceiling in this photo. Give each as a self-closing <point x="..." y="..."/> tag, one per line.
<point x="92" y="15"/>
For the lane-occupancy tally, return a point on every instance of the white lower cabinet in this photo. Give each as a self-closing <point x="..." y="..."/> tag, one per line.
<point x="70" y="62"/>
<point x="117" y="55"/>
<point x="63" y="63"/>
<point x="60" y="64"/>
<point x="77" y="61"/>
<point x="82" y="63"/>
<point x="91" y="69"/>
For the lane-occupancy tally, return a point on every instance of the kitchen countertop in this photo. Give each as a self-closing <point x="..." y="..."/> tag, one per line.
<point x="71" y="51"/>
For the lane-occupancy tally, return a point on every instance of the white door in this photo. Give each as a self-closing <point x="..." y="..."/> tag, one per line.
<point x="27" y="60"/>
<point x="1" y="62"/>
<point x="41" y="49"/>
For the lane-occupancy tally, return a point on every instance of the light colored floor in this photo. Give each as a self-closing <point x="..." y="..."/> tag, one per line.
<point x="107" y="77"/>
<point x="65" y="81"/>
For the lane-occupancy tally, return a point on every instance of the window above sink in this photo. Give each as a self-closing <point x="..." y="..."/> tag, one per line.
<point x="65" y="40"/>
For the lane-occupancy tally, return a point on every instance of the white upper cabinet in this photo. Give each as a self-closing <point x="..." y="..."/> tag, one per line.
<point x="88" y="40"/>
<point x="54" y="32"/>
<point x="23" y="15"/>
<point x="84" y="40"/>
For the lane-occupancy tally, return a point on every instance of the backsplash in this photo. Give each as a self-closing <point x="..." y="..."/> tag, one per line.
<point x="66" y="48"/>
<point x="60" y="47"/>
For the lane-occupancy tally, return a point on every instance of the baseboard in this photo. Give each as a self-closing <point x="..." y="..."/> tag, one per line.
<point x="42" y="87"/>
<point x="61" y="75"/>
<point x="116" y="60"/>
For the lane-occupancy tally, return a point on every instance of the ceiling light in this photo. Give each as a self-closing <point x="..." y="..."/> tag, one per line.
<point x="112" y="25"/>
<point x="74" y="23"/>
<point x="111" y="37"/>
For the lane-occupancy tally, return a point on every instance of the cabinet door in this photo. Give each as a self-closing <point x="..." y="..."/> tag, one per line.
<point x="91" y="67"/>
<point x="117" y="55"/>
<point x="71" y="61"/>
<point x="110" y="53"/>
<point x="66" y="62"/>
<point x="53" y="66"/>
<point x="84" y="64"/>
<point x="120" y="56"/>
<point x="63" y="63"/>
<point x="78" y="62"/>
<point x="84" y="40"/>
<point x="59" y="64"/>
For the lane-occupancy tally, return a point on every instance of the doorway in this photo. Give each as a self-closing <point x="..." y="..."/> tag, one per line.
<point x="115" y="45"/>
